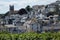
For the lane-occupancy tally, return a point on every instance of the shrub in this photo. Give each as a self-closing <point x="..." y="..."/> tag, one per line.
<point x="31" y="36"/>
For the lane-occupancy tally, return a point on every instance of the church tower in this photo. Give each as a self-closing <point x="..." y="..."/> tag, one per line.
<point x="11" y="9"/>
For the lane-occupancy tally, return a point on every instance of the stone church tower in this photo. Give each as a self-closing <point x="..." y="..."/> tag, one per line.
<point x="11" y="9"/>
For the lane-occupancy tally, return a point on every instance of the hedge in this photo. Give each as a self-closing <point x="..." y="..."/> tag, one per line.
<point x="31" y="36"/>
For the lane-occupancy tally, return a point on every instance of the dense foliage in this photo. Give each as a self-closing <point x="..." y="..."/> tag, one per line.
<point x="30" y="36"/>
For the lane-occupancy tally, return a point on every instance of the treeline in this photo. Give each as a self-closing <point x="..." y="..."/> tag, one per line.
<point x="30" y="36"/>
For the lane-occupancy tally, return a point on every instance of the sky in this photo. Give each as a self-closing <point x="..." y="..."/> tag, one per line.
<point x="18" y="4"/>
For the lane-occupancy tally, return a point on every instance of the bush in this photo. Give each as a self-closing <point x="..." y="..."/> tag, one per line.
<point x="4" y="37"/>
<point x="31" y="36"/>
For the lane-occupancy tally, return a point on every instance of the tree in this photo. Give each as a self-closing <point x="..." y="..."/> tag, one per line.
<point x="22" y="11"/>
<point x="28" y="8"/>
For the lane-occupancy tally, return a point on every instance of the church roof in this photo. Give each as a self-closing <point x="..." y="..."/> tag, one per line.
<point x="7" y="13"/>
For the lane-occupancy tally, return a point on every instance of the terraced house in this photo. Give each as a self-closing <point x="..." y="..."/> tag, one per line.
<point x="37" y="18"/>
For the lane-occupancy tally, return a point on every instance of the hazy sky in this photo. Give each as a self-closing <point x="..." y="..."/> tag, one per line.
<point x="4" y="4"/>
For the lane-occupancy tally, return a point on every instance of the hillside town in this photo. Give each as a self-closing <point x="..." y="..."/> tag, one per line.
<point x="38" y="18"/>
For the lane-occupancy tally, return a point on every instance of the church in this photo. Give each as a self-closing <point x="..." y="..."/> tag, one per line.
<point x="14" y="16"/>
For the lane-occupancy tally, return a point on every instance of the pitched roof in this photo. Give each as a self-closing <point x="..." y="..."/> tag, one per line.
<point x="14" y="12"/>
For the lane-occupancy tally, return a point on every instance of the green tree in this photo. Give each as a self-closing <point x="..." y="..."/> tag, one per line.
<point x="28" y="8"/>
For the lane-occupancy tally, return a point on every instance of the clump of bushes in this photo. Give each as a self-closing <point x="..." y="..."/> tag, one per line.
<point x="31" y="36"/>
